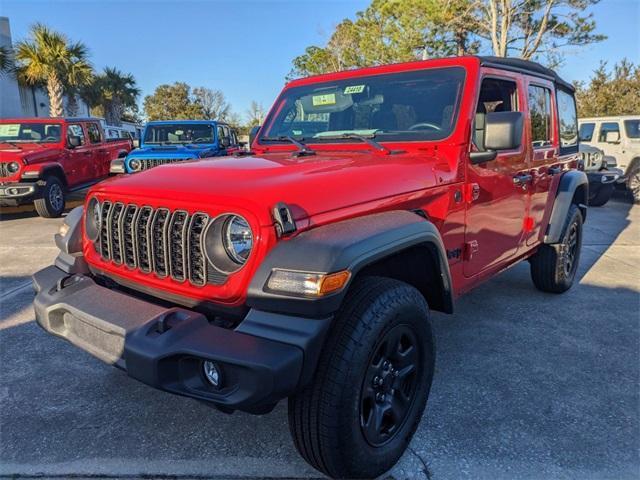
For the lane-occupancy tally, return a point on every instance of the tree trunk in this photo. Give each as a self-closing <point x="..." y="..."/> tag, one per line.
<point x="55" y="91"/>
<point x="113" y="113"/>
<point x="72" y="105"/>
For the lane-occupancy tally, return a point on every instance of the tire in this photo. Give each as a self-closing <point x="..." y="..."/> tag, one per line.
<point x="553" y="267"/>
<point x="52" y="202"/>
<point x="602" y="196"/>
<point x="633" y="182"/>
<point x="325" y="418"/>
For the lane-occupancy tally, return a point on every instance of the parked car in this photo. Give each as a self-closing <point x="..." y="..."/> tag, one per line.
<point x="619" y="139"/>
<point x="176" y="141"/>
<point x="308" y="270"/>
<point x="602" y="179"/>
<point x="113" y="133"/>
<point x="43" y="159"/>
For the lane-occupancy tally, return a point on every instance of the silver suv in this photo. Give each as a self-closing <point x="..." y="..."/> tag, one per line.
<point x="619" y="138"/>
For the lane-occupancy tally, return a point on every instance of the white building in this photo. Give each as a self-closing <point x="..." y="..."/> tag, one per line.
<point x="21" y="101"/>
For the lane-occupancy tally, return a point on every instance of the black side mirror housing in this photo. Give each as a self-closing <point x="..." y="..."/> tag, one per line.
<point x="74" y="141"/>
<point x="253" y="134"/>
<point x="502" y="131"/>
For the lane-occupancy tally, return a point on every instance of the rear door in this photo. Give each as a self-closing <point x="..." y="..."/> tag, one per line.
<point x="496" y="206"/>
<point x="542" y="143"/>
<point x="99" y="158"/>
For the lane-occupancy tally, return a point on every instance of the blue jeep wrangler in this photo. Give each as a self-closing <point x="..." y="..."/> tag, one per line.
<point x="176" y="141"/>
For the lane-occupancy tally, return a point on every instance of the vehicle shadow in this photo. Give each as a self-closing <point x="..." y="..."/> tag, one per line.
<point x="28" y="211"/>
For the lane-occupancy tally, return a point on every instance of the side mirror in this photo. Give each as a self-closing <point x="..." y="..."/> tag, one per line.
<point x="502" y="131"/>
<point x="74" y="141"/>
<point x="253" y="134"/>
<point x="612" y="137"/>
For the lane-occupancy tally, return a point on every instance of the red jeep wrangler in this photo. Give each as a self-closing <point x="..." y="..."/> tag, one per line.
<point x="41" y="159"/>
<point x="306" y="270"/>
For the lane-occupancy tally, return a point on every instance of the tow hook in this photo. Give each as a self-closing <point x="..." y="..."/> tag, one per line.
<point x="65" y="281"/>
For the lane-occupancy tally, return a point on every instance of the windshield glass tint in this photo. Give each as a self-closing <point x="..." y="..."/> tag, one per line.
<point x="419" y="105"/>
<point x="178" y="133"/>
<point x="632" y="127"/>
<point x="30" y="132"/>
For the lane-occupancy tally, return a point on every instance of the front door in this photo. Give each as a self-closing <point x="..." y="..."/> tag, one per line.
<point x="496" y="204"/>
<point x="77" y="166"/>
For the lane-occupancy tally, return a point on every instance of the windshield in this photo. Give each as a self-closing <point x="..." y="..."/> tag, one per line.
<point x="418" y="105"/>
<point x="30" y="132"/>
<point x="632" y="127"/>
<point x="169" y="134"/>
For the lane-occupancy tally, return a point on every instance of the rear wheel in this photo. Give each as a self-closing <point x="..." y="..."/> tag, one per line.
<point x="370" y="389"/>
<point x="52" y="202"/>
<point x="553" y="267"/>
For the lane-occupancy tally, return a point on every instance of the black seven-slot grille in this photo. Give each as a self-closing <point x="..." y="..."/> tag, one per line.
<point x="147" y="163"/>
<point x="167" y="243"/>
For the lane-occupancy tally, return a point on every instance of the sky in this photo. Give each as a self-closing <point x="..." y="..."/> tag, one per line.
<point x="245" y="48"/>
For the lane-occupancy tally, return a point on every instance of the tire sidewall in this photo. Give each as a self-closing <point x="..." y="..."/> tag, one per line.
<point x="357" y="449"/>
<point x="51" y="183"/>
<point x="567" y="280"/>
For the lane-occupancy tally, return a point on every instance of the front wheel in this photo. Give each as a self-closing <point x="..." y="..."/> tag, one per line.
<point x="553" y="267"/>
<point x="370" y="389"/>
<point x="633" y="182"/>
<point x="52" y="202"/>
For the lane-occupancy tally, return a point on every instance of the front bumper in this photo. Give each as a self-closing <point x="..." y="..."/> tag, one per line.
<point x="14" y="194"/>
<point x="605" y="177"/>
<point x="266" y="358"/>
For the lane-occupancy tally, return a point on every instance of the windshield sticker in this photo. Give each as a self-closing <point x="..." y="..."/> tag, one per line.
<point x="10" y="130"/>
<point x="354" y="89"/>
<point x="326" y="99"/>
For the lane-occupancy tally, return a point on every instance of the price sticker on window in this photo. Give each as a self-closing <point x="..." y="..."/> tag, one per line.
<point x="354" y="89"/>
<point x="326" y="99"/>
<point x="9" y="130"/>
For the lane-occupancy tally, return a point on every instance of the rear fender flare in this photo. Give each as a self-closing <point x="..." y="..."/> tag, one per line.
<point x="573" y="189"/>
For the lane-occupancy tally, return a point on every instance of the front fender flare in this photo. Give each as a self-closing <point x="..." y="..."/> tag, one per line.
<point x="347" y="245"/>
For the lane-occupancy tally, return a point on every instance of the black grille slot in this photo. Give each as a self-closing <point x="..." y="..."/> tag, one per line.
<point x="195" y="247"/>
<point x="177" y="244"/>
<point x="115" y="236"/>
<point x="143" y="225"/>
<point x="127" y="227"/>
<point x="4" y="169"/>
<point x="105" y="252"/>
<point x="159" y="241"/>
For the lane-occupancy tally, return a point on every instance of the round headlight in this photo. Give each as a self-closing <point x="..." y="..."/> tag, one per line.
<point x="134" y="164"/>
<point x="228" y="243"/>
<point x="92" y="219"/>
<point x="13" y="167"/>
<point x="238" y="239"/>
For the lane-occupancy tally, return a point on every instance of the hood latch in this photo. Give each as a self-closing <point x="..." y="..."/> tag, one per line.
<point x="285" y="224"/>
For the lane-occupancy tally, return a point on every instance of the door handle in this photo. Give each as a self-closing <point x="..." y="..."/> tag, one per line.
<point x="522" y="179"/>
<point x="554" y="170"/>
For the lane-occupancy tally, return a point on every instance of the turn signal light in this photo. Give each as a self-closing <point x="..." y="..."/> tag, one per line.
<point x="307" y="284"/>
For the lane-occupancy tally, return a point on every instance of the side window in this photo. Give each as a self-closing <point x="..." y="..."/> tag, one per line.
<point x="568" y="118"/>
<point x="75" y="131"/>
<point x="606" y="128"/>
<point x="540" y="113"/>
<point x="586" y="131"/>
<point x="234" y="137"/>
<point x="94" y="133"/>
<point x="496" y="95"/>
<point x="223" y="135"/>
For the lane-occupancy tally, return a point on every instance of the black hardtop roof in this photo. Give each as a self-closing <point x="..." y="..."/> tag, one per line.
<point x="525" y="66"/>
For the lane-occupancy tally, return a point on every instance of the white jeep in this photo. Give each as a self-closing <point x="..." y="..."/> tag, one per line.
<point x="619" y="138"/>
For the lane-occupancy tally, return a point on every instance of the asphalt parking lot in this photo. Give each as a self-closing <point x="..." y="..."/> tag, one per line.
<point x="528" y="385"/>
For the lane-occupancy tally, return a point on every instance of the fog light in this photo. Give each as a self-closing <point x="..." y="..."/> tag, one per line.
<point x="212" y="373"/>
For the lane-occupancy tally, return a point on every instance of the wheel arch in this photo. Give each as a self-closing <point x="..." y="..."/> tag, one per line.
<point x="397" y="244"/>
<point x="572" y="190"/>
<point x="55" y="170"/>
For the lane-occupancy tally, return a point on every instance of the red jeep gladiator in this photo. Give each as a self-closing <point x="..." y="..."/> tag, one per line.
<point x="307" y="269"/>
<point x="42" y="159"/>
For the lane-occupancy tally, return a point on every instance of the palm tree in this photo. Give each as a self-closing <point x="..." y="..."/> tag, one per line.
<point x="50" y="59"/>
<point x="113" y="92"/>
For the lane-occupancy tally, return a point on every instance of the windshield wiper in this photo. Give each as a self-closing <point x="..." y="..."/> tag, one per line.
<point x="303" y="150"/>
<point x="368" y="139"/>
<point x="9" y="143"/>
